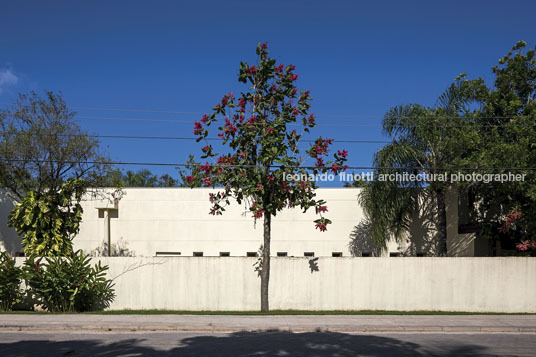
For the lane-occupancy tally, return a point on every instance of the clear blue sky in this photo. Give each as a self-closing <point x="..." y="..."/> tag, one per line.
<point x="357" y="58"/>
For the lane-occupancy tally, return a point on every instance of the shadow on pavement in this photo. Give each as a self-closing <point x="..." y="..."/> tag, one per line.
<point x="237" y="344"/>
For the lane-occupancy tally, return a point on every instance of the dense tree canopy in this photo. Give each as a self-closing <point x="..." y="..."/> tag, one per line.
<point x="474" y="126"/>
<point x="41" y="146"/>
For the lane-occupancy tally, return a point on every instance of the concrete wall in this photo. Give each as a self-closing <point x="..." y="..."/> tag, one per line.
<point x="504" y="284"/>
<point x="146" y="221"/>
<point x="149" y="220"/>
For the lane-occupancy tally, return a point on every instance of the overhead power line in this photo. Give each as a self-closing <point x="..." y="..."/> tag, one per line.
<point x="345" y="116"/>
<point x="181" y="121"/>
<point x="146" y="137"/>
<point x="218" y="139"/>
<point x="274" y="166"/>
<point x="335" y="116"/>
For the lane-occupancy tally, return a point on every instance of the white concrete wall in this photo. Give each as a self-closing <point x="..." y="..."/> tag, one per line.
<point x="212" y="283"/>
<point x="177" y="220"/>
<point x="150" y="220"/>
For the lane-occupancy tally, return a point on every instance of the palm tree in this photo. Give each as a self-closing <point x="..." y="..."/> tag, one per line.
<point x="425" y="141"/>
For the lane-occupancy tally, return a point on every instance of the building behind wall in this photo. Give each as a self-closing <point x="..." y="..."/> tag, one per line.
<point x="175" y="222"/>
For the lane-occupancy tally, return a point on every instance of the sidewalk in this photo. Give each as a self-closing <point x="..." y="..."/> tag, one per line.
<point x="296" y="323"/>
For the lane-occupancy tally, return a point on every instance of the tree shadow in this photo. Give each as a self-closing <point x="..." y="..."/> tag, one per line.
<point x="273" y="343"/>
<point x="422" y="235"/>
<point x="9" y="238"/>
<point x="313" y="265"/>
<point x="361" y="241"/>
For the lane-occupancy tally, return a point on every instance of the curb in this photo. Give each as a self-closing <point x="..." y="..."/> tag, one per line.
<point x="223" y="329"/>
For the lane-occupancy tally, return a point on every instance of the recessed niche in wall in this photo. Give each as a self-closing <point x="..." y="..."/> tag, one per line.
<point x="225" y="254"/>
<point x="251" y="254"/>
<point x="365" y="254"/>
<point x="282" y="254"/>
<point x="168" y="254"/>
<point x="336" y="254"/>
<point x="393" y="254"/>
<point x="112" y="212"/>
<point x="198" y="254"/>
<point x="309" y="254"/>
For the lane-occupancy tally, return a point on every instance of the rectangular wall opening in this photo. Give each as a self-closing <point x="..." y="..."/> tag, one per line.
<point x="251" y="254"/>
<point x="392" y="254"/>
<point x="198" y="254"/>
<point x="336" y="254"/>
<point x="282" y="254"/>
<point x="309" y="254"/>
<point x="366" y="254"/>
<point x="225" y="254"/>
<point x="168" y="254"/>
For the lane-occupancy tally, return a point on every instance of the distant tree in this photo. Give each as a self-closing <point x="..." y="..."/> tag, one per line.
<point x="261" y="152"/>
<point x="140" y="178"/>
<point x="506" y="120"/>
<point x="41" y="146"/>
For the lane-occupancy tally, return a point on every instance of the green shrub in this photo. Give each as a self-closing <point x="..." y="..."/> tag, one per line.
<point x="10" y="279"/>
<point x="69" y="283"/>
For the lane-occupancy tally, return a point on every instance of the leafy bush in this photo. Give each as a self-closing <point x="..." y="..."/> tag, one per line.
<point x="48" y="221"/>
<point x="10" y="279"/>
<point x="69" y="283"/>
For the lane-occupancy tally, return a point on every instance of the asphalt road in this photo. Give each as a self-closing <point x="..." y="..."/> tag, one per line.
<point x="310" y="344"/>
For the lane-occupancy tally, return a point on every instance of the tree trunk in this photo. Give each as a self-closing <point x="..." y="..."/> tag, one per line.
<point x="265" y="271"/>
<point x="441" y="223"/>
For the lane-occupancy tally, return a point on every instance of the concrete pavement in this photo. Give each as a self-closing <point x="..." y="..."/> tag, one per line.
<point x="293" y="323"/>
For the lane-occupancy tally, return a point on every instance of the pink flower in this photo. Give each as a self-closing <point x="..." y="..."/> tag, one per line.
<point x="343" y="153"/>
<point x="205" y="167"/>
<point x="335" y="168"/>
<point x="207" y="181"/>
<point x="198" y="128"/>
<point x="252" y="70"/>
<point x="284" y="186"/>
<point x="264" y="46"/>
<point x="526" y="245"/>
<point x="204" y="119"/>
<point x="322" y="209"/>
<point x="258" y="213"/>
<point x="190" y="179"/>
<point x="321" y="226"/>
<point x="292" y="77"/>
<point x="207" y="148"/>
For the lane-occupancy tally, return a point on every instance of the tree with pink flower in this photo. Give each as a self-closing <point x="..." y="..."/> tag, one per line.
<point x="261" y="151"/>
